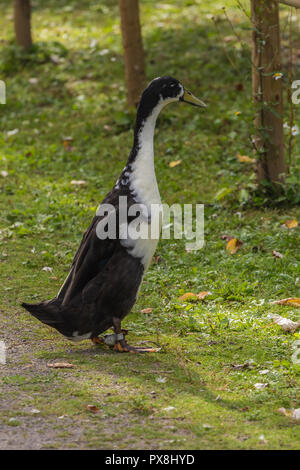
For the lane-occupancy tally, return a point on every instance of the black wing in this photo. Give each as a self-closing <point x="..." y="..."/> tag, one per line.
<point x="90" y="258"/>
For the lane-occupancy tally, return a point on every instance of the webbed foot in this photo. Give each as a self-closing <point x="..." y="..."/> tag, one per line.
<point x="122" y="346"/>
<point x="97" y="340"/>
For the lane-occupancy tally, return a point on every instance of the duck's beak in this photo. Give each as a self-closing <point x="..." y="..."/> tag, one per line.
<point x="188" y="97"/>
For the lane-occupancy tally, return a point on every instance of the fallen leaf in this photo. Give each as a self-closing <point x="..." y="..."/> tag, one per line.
<point x="245" y="159"/>
<point x="276" y="254"/>
<point x="12" y="132"/>
<point x="226" y="237"/>
<point x="203" y="294"/>
<point x="47" y="269"/>
<point x="161" y="380"/>
<point x="67" y="141"/>
<point x="294" y="301"/>
<point x="207" y="426"/>
<point x="285" y="323"/>
<point x="175" y="163"/>
<point x="296" y="414"/>
<point x="293" y="223"/>
<point x="260" y="386"/>
<point x="229" y="38"/>
<point x="233" y="245"/>
<point x="284" y="412"/>
<point x="147" y="310"/>
<point x="55" y="59"/>
<point x="92" y="408"/>
<point x="33" y="80"/>
<point x="78" y="182"/>
<point x="247" y="365"/>
<point x="157" y="259"/>
<point x="188" y="296"/>
<point x="60" y="365"/>
<point x="293" y="413"/>
<point x="239" y="86"/>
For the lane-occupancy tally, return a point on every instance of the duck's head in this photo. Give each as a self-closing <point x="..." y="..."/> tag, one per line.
<point x="164" y="90"/>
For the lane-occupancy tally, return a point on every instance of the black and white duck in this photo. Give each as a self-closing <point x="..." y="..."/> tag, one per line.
<point x="106" y="273"/>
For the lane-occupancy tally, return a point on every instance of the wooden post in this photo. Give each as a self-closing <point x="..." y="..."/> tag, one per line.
<point x="22" y="13"/>
<point x="133" y="50"/>
<point x="267" y="91"/>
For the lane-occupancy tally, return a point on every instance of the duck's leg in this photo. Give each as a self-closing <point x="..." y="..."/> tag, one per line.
<point x="121" y="345"/>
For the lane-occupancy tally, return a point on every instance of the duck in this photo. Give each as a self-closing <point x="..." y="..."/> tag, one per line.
<point x="108" y="268"/>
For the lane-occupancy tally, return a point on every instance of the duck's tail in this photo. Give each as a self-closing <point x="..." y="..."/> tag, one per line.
<point x="47" y="312"/>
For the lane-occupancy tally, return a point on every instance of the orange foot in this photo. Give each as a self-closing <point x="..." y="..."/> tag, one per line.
<point x="122" y="346"/>
<point x="97" y="340"/>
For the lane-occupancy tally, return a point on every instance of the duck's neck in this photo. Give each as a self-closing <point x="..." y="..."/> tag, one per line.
<point x="141" y="159"/>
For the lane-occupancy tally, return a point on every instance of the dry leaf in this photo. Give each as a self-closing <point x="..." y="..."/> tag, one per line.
<point x="157" y="259"/>
<point x="78" y="182"/>
<point x="12" y="132"/>
<point x="226" y="237"/>
<point x="175" y="163"/>
<point x="293" y="413"/>
<point x="92" y="408"/>
<point x="203" y="294"/>
<point x="296" y="414"/>
<point x="284" y="412"/>
<point x="33" y="80"/>
<point x="193" y="297"/>
<point x="293" y="223"/>
<point x="285" y="323"/>
<point x="147" y="310"/>
<point x="233" y="245"/>
<point x="247" y="365"/>
<point x="229" y="38"/>
<point x="67" y="141"/>
<point x="276" y="254"/>
<point x="245" y="159"/>
<point x="188" y="296"/>
<point x="161" y="380"/>
<point x="290" y="301"/>
<point x="260" y="386"/>
<point x="47" y="269"/>
<point x="61" y="365"/>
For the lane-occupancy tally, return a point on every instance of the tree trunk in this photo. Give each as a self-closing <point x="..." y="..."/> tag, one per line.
<point x="22" y="13"/>
<point x="267" y="91"/>
<point x="133" y="50"/>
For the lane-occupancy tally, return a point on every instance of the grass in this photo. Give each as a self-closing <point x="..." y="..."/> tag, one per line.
<point x="81" y="94"/>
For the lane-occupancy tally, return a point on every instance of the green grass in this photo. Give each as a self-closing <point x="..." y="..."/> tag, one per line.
<point x="215" y="406"/>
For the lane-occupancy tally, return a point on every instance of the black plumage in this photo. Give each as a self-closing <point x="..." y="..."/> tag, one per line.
<point x="105" y="275"/>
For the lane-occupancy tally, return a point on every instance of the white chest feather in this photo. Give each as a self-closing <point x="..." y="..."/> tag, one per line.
<point x="143" y="185"/>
